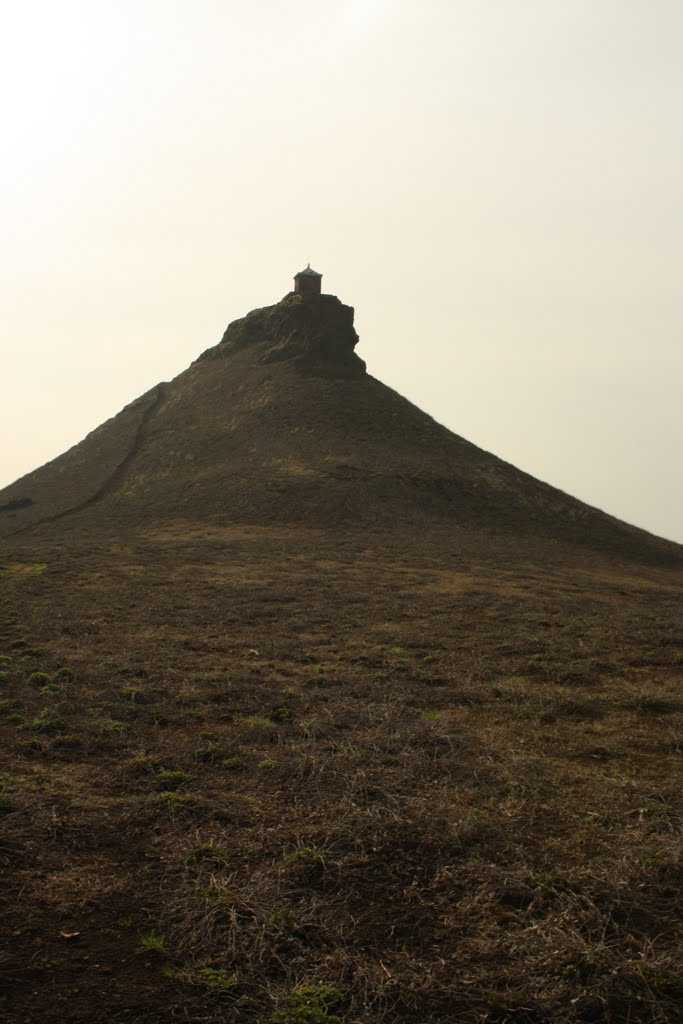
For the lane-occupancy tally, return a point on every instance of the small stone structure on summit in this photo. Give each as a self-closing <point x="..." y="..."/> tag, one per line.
<point x="307" y="283"/>
<point x="309" y="330"/>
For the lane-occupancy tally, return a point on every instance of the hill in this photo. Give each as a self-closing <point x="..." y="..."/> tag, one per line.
<point x="311" y="712"/>
<point x="281" y="424"/>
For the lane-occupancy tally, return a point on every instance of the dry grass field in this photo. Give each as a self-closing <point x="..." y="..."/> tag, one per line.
<point x="298" y="776"/>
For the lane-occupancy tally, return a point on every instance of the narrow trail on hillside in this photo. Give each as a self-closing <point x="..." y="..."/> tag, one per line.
<point x="118" y="473"/>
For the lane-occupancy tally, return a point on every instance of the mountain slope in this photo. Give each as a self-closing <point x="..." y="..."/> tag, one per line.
<point x="280" y="423"/>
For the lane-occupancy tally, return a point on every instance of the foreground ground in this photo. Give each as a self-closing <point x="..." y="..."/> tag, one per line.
<point x="272" y="776"/>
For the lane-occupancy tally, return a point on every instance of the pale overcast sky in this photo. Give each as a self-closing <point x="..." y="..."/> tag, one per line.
<point x="495" y="185"/>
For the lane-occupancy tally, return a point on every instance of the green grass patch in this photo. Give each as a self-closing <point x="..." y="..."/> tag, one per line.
<point x="256" y="723"/>
<point x="281" y="714"/>
<point x="434" y="715"/>
<point x="206" y="854"/>
<point x="39" y="679"/>
<point x="175" y="802"/>
<point x="211" y="753"/>
<point x="7" y="706"/>
<point x="51" y="690"/>
<point x="23" y="569"/>
<point x="153" y="942"/>
<point x="169" y="779"/>
<point x="46" y="723"/>
<point x="142" y="764"/>
<point x="214" y="979"/>
<point x="306" y="864"/>
<point x="310" y="1004"/>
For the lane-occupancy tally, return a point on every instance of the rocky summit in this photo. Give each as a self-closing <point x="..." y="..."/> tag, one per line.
<point x="316" y="336"/>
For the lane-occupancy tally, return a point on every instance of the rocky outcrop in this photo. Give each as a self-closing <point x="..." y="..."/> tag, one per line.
<point x="316" y="335"/>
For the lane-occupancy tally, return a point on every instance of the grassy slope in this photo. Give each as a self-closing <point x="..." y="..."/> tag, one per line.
<point x="80" y="475"/>
<point x="249" y="440"/>
<point x="298" y="777"/>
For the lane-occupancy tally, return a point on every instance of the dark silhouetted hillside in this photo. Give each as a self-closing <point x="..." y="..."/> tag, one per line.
<point x="281" y="424"/>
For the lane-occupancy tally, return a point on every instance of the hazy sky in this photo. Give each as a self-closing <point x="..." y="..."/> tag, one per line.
<point x="495" y="185"/>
